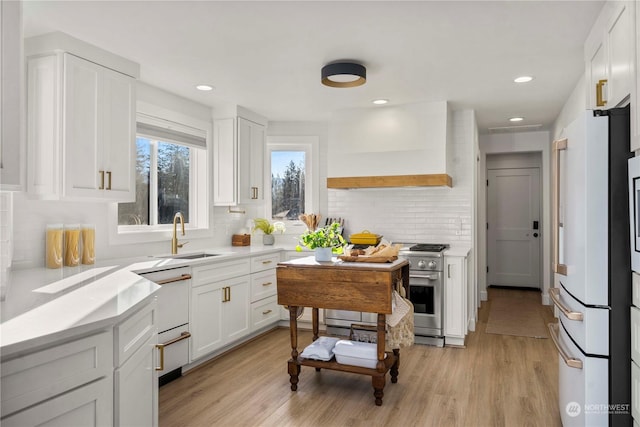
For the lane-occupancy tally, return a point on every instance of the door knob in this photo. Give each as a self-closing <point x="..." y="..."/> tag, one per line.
<point x="535" y="234"/>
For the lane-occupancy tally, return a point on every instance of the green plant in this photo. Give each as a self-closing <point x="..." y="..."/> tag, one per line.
<point x="326" y="237"/>
<point x="266" y="227"/>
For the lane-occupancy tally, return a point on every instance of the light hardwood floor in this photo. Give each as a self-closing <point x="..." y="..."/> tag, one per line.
<point x="497" y="380"/>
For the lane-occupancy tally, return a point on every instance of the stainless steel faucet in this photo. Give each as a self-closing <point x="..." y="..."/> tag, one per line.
<point x="174" y="240"/>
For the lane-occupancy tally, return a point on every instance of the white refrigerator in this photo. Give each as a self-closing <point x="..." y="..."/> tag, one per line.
<point x="592" y="283"/>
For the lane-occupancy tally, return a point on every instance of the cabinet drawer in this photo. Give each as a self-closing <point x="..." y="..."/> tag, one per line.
<point x="133" y="332"/>
<point x="38" y="376"/>
<point x="263" y="285"/>
<point x="264" y="312"/>
<point x="264" y="262"/>
<point x="635" y="288"/>
<point x="635" y="391"/>
<point x="635" y="334"/>
<point x="220" y="271"/>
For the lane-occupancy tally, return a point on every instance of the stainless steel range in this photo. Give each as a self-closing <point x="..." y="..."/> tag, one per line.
<point x="426" y="292"/>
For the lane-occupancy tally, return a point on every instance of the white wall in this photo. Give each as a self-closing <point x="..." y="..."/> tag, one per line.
<point x="576" y="103"/>
<point x="516" y="143"/>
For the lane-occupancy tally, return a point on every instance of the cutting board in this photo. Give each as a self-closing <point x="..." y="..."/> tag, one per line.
<point x="365" y="258"/>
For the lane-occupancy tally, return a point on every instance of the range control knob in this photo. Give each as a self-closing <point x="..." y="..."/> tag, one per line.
<point x="431" y="265"/>
<point x="422" y="265"/>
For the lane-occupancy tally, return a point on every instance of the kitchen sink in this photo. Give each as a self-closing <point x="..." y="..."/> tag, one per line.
<point x="198" y="255"/>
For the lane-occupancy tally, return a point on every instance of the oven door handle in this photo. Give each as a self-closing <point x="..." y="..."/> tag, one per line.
<point x="429" y="277"/>
<point x="570" y="361"/>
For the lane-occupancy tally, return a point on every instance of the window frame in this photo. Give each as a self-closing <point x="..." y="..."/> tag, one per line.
<point x="308" y="144"/>
<point x="200" y="214"/>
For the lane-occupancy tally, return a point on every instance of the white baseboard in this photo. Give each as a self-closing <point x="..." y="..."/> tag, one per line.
<point x="484" y="296"/>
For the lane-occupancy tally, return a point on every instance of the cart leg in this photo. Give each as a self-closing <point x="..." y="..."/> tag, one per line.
<point x="314" y="322"/>
<point x="294" y="372"/>
<point x="378" y="388"/>
<point x="395" y="366"/>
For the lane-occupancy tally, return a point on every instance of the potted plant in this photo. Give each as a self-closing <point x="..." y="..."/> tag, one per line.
<point x="325" y="241"/>
<point x="268" y="229"/>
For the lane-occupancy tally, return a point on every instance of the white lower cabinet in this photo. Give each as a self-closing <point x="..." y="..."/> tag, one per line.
<point x="107" y="378"/>
<point x="635" y="391"/>
<point x="136" y="389"/>
<point x="87" y="406"/>
<point x="219" y="309"/>
<point x="455" y="300"/>
<point x="265" y="312"/>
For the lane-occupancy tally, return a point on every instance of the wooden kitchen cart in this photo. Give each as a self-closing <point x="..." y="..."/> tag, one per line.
<point x="339" y="285"/>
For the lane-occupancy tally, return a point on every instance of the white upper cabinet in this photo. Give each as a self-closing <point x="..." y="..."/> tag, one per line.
<point x="609" y="55"/>
<point x="635" y="95"/>
<point x="80" y="125"/>
<point x="11" y="104"/>
<point x="99" y="132"/>
<point x="251" y="140"/>
<point x="238" y="157"/>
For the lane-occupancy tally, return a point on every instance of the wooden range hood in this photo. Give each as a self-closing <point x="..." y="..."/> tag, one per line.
<point x="429" y="180"/>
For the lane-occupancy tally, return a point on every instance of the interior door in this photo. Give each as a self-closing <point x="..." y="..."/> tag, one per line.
<point x="513" y="235"/>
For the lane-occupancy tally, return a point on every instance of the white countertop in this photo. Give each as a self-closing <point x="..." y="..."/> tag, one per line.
<point x="44" y="305"/>
<point x="455" y="250"/>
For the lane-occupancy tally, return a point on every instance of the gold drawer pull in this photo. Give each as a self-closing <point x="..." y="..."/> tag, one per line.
<point x="183" y="336"/>
<point x="267" y="284"/>
<point x="266" y="312"/>
<point x="266" y="262"/>
<point x="109" y="180"/>
<point x="101" y="181"/>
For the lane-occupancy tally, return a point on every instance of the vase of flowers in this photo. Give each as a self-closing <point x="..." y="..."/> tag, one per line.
<point x="325" y="241"/>
<point x="268" y="229"/>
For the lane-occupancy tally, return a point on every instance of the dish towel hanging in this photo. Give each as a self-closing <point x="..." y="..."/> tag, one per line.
<point x="400" y="322"/>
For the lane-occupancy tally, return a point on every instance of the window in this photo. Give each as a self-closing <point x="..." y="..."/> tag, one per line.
<point x="162" y="183"/>
<point x="171" y="177"/>
<point x="290" y="168"/>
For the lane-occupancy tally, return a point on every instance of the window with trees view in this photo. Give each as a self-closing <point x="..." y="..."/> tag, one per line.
<point x="162" y="184"/>
<point x="287" y="184"/>
<point x="291" y="169"/>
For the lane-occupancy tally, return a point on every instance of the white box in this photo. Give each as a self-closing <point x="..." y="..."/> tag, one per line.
<point x="356" y="353"/>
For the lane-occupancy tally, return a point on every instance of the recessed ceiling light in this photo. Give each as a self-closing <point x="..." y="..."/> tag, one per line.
<point x="516" y="119"/>
<point x="380" y="101"/>
<point x="523" y="79"/>
<point x="204" y="87"/>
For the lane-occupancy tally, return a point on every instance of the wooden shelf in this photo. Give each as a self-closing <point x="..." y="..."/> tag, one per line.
<point x="430" y="180"/>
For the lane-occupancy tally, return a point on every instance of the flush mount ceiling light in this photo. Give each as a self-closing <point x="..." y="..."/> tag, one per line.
<point x="344" y="74"/>
<point x="380" y="101"/>
<point x="516" y="119"/>
<point x="204" y="87"/>
<point x="523" y="79"/>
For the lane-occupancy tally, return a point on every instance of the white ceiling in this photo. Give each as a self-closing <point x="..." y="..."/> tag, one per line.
<point x="266" y="56"/>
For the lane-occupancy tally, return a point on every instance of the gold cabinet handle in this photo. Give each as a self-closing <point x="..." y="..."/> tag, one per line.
<point x="554" y="293"/>
<point x="267" y="284"/>
<point x="266" y="262"/>
<point x="160" y="347"/>
<point x="570" y="361"/>
<point x="101" y="181"/>
<point x="254" y="193"/>
<point x="559" y="145"/>
<point x="109" y="180"/>
<point x="226" y="294"/>
<point x="600" y="101"/>
<point x="183" y="336"/>
<point x="266" y="312"/>
<point x="174" y="279"/>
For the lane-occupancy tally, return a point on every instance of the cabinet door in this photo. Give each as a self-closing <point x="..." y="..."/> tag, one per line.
<point x="136" y="388"/>
<point x="43" y="126"/>
<point x="620" y="42"/>
<point x="82" y="128"/>
<point x="251" y="140"/>
<point x="11" y="60"/>
<point x="236" y="314"/>
<point x="90" y="405"/>
<point x="225" y="161"/>
<point x="635" y="111"/>
<point x="118" y="148"/>
<point x="597" y="73"/>
<point x="455" y="298"/>
<point x="206" y="319"/>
